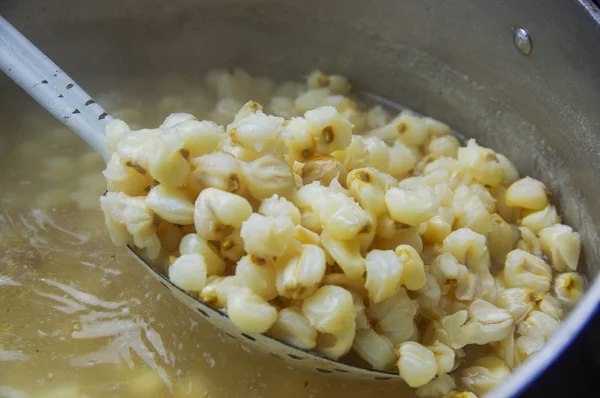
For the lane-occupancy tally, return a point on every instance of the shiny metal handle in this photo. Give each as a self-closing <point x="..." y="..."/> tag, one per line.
<point x="52" y="88"/>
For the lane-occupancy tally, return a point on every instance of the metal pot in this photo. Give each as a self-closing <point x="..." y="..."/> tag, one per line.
<point x="520" y="77"/>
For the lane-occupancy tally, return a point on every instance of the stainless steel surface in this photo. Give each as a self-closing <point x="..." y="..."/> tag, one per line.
<point x="522" y="41"/>
<point x="453" y="60"/>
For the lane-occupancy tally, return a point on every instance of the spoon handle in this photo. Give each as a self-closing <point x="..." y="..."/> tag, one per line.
<point x="52" y="88"/>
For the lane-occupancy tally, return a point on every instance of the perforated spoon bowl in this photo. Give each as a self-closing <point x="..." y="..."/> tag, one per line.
<point x="60" y="95"/>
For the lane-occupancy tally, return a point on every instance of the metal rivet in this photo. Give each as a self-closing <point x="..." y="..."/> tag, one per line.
<point x="522" y="41"/>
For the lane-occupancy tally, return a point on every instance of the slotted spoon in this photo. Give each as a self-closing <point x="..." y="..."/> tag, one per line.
<point x="69" y="103"/>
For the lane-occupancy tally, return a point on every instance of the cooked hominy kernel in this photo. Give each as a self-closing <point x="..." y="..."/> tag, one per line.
<point x="444" y="146"/>
<point x="330" y="309"/>
<point x="331" y="131"/>
<point x="232" y="83"/>
<point x="485" y="374"/>
<point x="281" y="106"/>
<point x="460" y="394"/>
<point x="401" y="160"/>
<point x="444" y="357"/>
<point x="219" y="170"/>
<point x="123" y="176"/>
<point x="276" y="206"/>
<point x="518" y="301"/>
<point x="511" y="174"/>
<point x="292" y="327"/>
<point x="299" y="276"/>
<point x="525" y="270"/>
<point x="355" y="155"/>
<point x="482" y="163"/>
<point x="527" y="193"/>
<point x="538" y="324"/>
<point x="379" y="153"/>
<point x="374" y="348"/>
<point x="217" y="213"/>
<point x="499" y="239"/>
<point x="384" y="274"/>
<point x="322" y="168"/>
<point x="259" y="133"/>
<point x="171" y="204"/>
<point x="468" y="247"/>
<point x="269" y="175"/>
<point x="416" y="363"/>
<point x="510" y="214"/>
<point x="411" y="207"/>
<point x="343" y="218"/>
<point x="538" y="220"/>
<point x="188" y="272"/>
<point x="394" y="317"/>
<point x="368" y="186"/>
<point x="336" y="345"/>
<point x="337" y="83"/>
<point x="198" y="137"/>
<point x="192" y="243"/>
<point x="249" y="311"/>
<point x="217" y="289"/>
<point x="552" y="306"/>
<point x="346" y="254"/>
<point x="258" y="275"/>
<point x="413" y="269"/>
<point x="232" y="246"/>
<point x="267" y="236"/>
<point x="562" y="245"/>
<point x="114" y="132"/>
<point x="568" y="287"/>
<point x="472" y="214"/>
<point x="529" y="242"/>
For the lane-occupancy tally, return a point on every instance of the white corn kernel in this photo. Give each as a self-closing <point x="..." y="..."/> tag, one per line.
<point x="411" y="207"/>
<point x="436" y="127"/>
<point x="330" y="309"/>
<point x="281" y="106"/>
<point x="336" y="83"/>
<point x="259" y="133"/>
<point x="568" y="288"/>
<point x="444" y="356"/>
<point x="299" y="276"/>
<point x="485" y="374"/>
<point x="219" y="170"/>
<point x="384" y="274"/>
<point x="480" y="324"/>
<point x="562" y="245"/>
<point x="343" y="218"/>
<point x="538" y="220"/>
<point x="217" y="213"/>
<point x="510" y="214"/>
<point x="518" y="301"/>
<point x="444" y="146"/>
<point x="258" y="275"/>
<point x="345" y="253"/>
<point x="331" y="131"/>
<point x="368" y="186"/>
<point x="394" y="317"/>
<point x="356" y="155"/>
<point x="217" y="289"/>
<point x="473" y="214"/>
<point x="460" y="394"/>
<point x="114" y="132"/>
<point x="269" y="175"/>
<point x="168" y="163"/>
<point x="525" y="270"/>
<point x="232" y="246"/>
<point x="231" y="83"/>
<point x="416" y="364"/>
<point x="192" y="243"/>
<point x="401" y="160"/>
<point x="440" y="226"/>
<point x="374" y="348"/>
<point x="413" y="269"/>
<point x="379" y="153"/>
<point x="276" y="206"/>
<point x="189" y="272"/>
<point x="336" y="345"/>
<point x="171" y="204"/>
<point x="469" y="248"/>
<point x="482" y="163"/>
<point x="250" y="312"/>
<point x="527" y="193"/>
<point x="552" y="306"/>
<point x="538" y="324"/>
<point x="125" y="176"/>
<point x="267" y="236"/>
<point x="511" y="174"/>
<point x="198" y="137"/>
<point x="529" y="242"/>
<point x="293" y="328"/>
<point x="411" y="129"/>
<point x="322" y="168"/>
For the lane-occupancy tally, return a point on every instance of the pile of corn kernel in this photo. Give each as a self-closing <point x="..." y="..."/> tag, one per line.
<point x="335" y="229"/>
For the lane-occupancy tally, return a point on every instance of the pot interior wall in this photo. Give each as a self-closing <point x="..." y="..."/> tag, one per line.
<point x="452" y="60"/>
